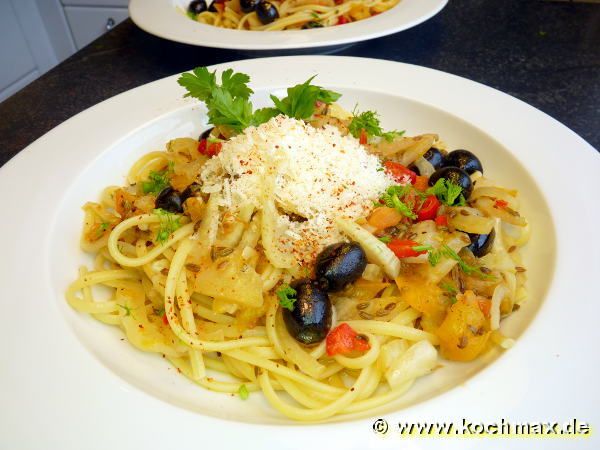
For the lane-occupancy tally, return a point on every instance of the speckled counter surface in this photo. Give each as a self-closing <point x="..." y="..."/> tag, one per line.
<point x="544" y="53"/>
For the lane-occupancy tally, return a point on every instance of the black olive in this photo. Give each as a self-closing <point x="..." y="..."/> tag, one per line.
<point x="481" y="244"/>
<point x="463" y="159"/>
<point x="266" y="12"/>
<point x="212" y="7"/>
<point x="310" y="319"/>
<point x="197" y="6"/>
<point x="190" y="191"/>
<point x="456" y="176"/>
<point x="169" y="200"/>
<point x="339" y="265"/>
<point x="433" y="156"/>
<point x="249" y="5"/>
<point x="206" y="133"/>
<point x="312" y="24"/>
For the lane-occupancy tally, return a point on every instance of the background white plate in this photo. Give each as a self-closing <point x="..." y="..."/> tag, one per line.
<point x="58" y="393"/>
<point x="164" y="19"/>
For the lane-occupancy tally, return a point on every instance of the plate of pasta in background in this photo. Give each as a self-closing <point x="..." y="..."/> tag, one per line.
<point x="270" y="250"/>
<point x="278" y="25"/>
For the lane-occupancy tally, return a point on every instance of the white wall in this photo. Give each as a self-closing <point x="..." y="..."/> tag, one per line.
<point x="35" y="35"/>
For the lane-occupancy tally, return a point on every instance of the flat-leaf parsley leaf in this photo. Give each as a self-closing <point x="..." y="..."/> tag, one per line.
<point x="156" y="182"/>
<point x="301" y="99"/>
<point x="287" y="296"/>
<point x="447" y="192"/>
<point x="169" y="223"/>
<point x="369" y="121"/>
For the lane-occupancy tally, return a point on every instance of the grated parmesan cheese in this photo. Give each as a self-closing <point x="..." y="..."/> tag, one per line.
<point x="314" y="173"/>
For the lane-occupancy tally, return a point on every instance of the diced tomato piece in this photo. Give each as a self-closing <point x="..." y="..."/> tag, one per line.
<point x="202" y="146"/>
<point x="399" y="172"/>
<point x="165" y="319"/>
<point x="429" y="209"/>
<point x="441" y="221"/>
<point x="343" y="340"/>
<point x="209" y="148"/>
<point x="421" y="183"/>
<point x="500" y="204"/>
<point x="403" y="248"/>
<point x="342" y="20"/>
<point x="363" y="137"/>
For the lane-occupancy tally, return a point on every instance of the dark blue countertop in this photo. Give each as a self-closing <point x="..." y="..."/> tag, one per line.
<point x="544" y="53"/>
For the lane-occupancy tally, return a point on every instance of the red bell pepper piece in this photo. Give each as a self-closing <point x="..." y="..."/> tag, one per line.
<point x="441" y="221"/>
<point x="429" y="209"/>
<point x="209" y="148"/>
<point x="343" y="340"/>
<point x="364" y="137"/>
<point x="500" y="204"/>
<point x="399" y="172"/>
<point x="403" y="248"/>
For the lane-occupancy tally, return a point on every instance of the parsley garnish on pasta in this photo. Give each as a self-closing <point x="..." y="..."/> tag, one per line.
<point x="298" y="248"/>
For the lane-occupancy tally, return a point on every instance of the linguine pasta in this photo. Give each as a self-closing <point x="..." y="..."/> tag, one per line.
<point x="203" y="287"/>
<point x="294" y="14"/>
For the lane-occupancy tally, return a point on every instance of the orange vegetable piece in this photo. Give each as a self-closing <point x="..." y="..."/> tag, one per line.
<point x="421" y="183"/>
<point x="384" y="217"/>
<point x="464" y="332"/>
<point x="422" y="296"/>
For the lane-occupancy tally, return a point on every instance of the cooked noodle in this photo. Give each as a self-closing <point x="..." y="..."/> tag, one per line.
<point x="203" y="294"/>
<point x="295" y="14"/>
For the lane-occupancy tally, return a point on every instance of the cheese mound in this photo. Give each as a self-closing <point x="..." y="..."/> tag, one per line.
<point x="313" y="174"/>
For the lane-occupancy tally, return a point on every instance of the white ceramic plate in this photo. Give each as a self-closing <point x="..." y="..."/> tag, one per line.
<point x="67" y="381"/>
<point x="165" y="19"/>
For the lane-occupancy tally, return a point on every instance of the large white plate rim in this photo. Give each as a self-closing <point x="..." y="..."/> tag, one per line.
<point x="42" y="184"/>
<point x="160" y="17"/>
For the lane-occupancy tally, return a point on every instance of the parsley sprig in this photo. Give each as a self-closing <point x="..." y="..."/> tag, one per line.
<point x="169" y="223"/>
<point x="156" y="182"/>
<point x="369" y="121"/>
<point x="434" y="256"/>
<point x="449" y="288"/>
<point x="392" y="199"/>
<point x="396" y="196"/>
<point x="447" y="192"/>
<point x="229" y="103"/>
<point x="301" y="99"/>
<point x="287" y="296"/>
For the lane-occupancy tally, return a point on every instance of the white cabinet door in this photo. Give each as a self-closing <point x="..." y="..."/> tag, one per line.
<point x="89" y="23"/>
<point x="118" y="3"/>
<point x="17" y="65"/>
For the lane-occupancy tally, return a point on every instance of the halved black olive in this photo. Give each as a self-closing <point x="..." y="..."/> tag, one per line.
<point x="456" y="176"/>
<point x="206" y="133"/>
<point x="310" y="319"/>
<point x="266" y="12"/>
<point x="249" y="5"/>
<point x="197" y="6"/>
<point x="190" y="191"/>
<point x="433" y="156"/>
<point x="463" y="159"/>
<point x="169" y="200"/>
<point x="339" y="265"/>
<point x="481" y="244"/>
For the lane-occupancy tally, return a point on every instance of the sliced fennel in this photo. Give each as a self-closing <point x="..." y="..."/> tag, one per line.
<point x="376" y="251"/>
